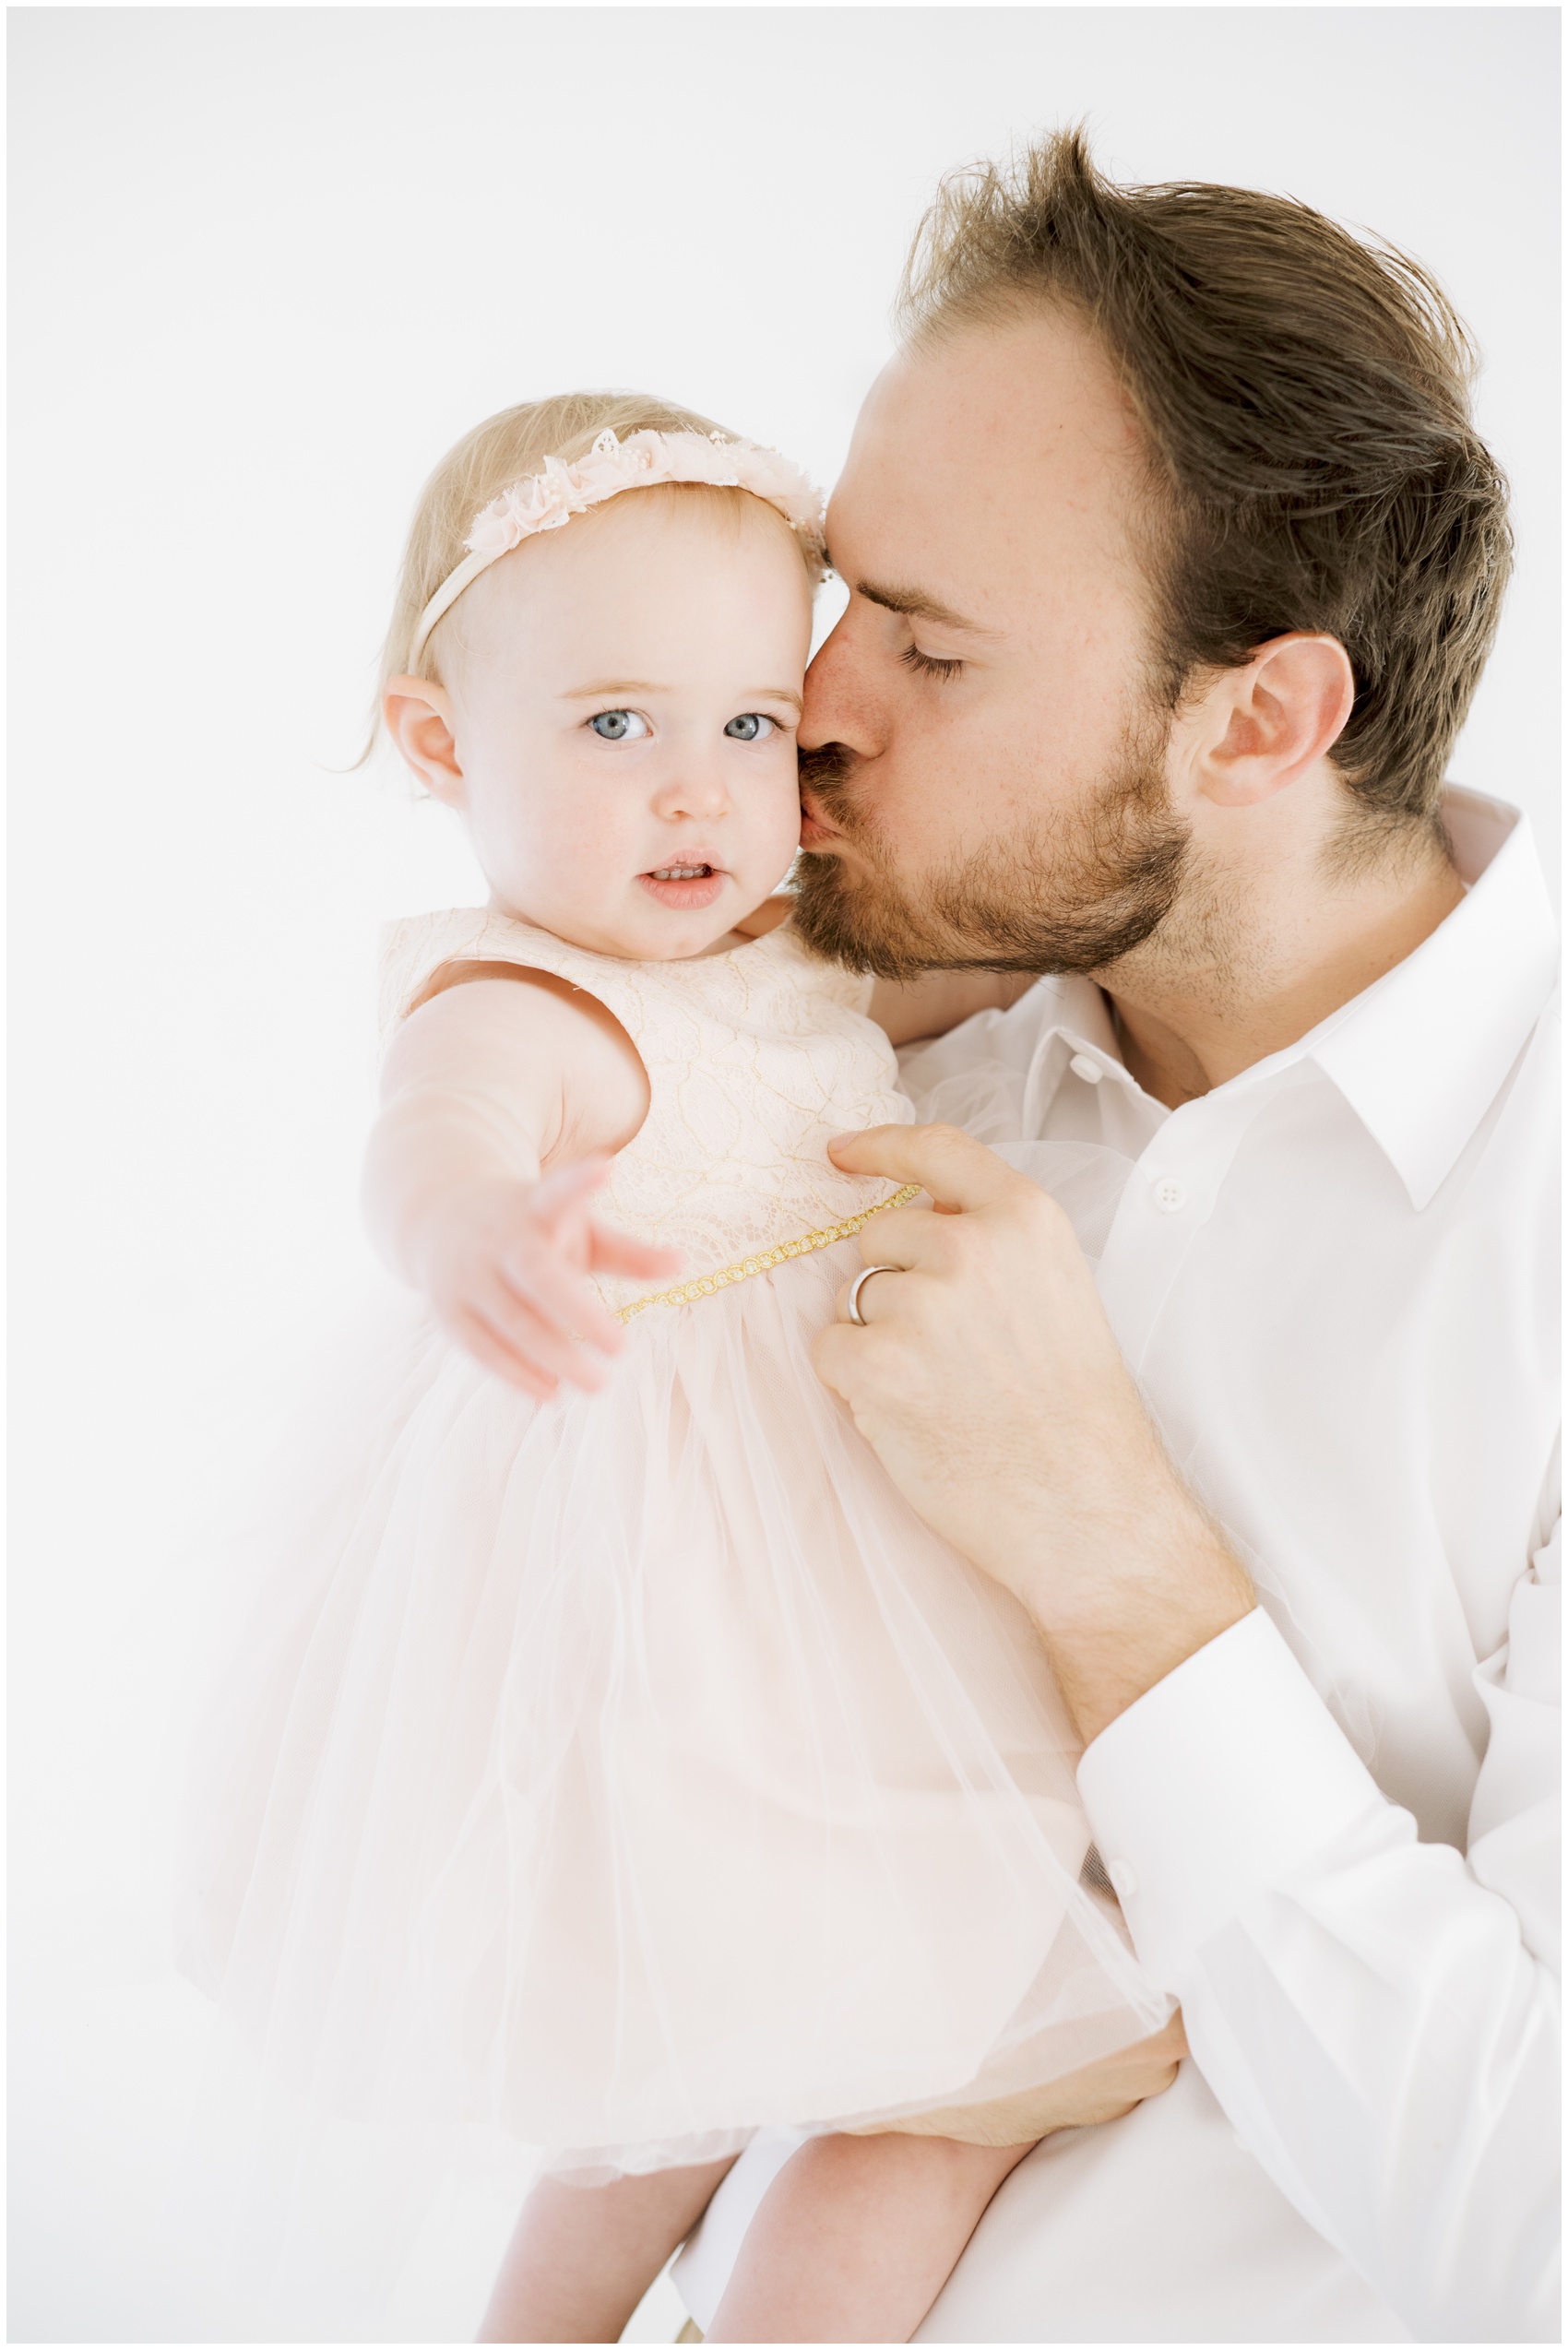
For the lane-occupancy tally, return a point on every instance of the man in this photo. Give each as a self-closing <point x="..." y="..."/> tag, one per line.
<point x="1173" y="560"/>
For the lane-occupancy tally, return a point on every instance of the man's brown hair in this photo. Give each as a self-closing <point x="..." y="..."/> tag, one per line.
<point x="1305" y="399"/>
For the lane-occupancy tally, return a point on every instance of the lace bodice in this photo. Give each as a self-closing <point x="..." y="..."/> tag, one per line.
<point x="754" y="1059"/>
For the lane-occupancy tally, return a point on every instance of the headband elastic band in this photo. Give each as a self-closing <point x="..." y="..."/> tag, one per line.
<point x="550" y="498"/>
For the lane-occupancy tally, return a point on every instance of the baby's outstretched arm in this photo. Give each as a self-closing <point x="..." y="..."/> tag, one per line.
<point x="500" y="1101"/>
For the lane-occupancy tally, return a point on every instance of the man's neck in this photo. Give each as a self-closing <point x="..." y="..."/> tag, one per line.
<point x="1240" y="972"/>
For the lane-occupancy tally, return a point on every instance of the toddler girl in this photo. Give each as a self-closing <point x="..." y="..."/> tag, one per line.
<point x="616" y="1757"/>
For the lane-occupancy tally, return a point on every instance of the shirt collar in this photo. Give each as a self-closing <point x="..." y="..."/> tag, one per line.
<point x="1076" y="1020"/>
<point x="1420" y="1055"/>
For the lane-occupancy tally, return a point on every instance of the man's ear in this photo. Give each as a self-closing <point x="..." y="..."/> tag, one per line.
<point x="1274" y="717"/>
<point x="419" y="720"/>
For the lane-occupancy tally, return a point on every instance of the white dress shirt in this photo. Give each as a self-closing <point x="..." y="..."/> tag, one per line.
<point x="1332" y="1830"/>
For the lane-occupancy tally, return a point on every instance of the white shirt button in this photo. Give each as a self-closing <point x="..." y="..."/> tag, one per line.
<point x="1089" y="1070"/>
<point x="1123" y="1879"/>
<point x="1169" y="1195"/>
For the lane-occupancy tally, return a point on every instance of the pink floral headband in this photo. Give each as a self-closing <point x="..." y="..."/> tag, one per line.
<point x="548" y="499"/>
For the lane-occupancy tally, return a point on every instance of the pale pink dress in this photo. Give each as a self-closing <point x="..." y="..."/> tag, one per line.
<point x="633" y="1771"/>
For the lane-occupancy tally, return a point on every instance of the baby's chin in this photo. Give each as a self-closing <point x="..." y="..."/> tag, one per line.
<point x="655" y="920"/>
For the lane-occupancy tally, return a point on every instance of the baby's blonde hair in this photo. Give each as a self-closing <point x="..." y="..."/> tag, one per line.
<point x="505" y="449"/>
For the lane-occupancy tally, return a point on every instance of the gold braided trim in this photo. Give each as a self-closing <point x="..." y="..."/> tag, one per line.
<point x="765" y="1261"/>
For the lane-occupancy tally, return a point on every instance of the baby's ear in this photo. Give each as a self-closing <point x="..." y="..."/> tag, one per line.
<point x="419" y="720"/>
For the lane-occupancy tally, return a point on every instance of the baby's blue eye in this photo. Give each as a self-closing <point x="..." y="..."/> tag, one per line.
<point x="619" y="726"/>
<point x="751" y="727"/>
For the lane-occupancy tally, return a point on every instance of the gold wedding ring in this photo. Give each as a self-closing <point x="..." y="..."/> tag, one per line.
<point x="852" y="1305"/>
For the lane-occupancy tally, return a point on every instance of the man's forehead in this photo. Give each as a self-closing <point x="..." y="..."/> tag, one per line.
<point x="1009" y="444"/>
<point x="1032" y="394"/>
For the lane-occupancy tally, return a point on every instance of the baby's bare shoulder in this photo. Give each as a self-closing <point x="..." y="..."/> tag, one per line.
<point x="532" y="1036"/>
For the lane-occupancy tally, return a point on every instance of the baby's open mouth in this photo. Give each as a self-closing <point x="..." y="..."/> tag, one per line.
<point x="687" y="887"/>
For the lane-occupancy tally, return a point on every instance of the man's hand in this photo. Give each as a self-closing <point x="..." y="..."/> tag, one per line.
<point x="992" y="1388"/>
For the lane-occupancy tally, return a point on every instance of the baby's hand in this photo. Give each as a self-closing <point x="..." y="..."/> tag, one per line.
<point x="503" y="1265"/>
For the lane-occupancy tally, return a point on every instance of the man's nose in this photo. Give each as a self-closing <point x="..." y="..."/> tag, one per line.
<point x="838" y="705"/>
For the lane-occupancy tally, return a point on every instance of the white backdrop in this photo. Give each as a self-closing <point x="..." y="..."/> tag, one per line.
<point x="268" y="264"/>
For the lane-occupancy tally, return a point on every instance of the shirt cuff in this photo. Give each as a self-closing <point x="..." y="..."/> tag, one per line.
<point x="1216" y="1785"/>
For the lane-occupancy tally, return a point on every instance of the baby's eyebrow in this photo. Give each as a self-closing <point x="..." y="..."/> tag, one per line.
<point x="643" y="685"/>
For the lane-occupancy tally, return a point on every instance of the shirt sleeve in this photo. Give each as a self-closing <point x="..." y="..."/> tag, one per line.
<point x="1379" y="2018"/>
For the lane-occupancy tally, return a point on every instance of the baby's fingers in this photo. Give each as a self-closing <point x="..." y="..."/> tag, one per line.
<point x="561" y="1300"/>
<point x="534" y="1341"/>
<point x="613" y="1251"/>
<point x="563" y="1191"/>
<point x="562" y="1195"/>
<point x="478" y="1339"/>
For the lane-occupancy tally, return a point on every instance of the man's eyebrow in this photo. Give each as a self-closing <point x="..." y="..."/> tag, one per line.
<point x="917" y="606"/>
<point x="643" y="685"/>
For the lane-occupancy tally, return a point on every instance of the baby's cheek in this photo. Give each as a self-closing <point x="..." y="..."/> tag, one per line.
<point x="553" y="852"/>
<point x="774" y="815"/>
<point x="590" y="829"/>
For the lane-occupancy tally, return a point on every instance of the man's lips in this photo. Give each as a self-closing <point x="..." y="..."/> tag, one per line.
<point x="815" y="831"/>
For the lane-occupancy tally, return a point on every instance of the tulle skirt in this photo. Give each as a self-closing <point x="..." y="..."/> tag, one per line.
<point x="630" y="1772"/>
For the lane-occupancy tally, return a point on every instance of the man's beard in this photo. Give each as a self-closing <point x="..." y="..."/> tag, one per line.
<point x="1076" y="897"/>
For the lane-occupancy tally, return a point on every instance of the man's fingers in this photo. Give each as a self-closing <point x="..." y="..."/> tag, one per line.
<point x="833" y="1352"/>
<point x="957" y="1171"/>
<point x="905" y="1237"/>
<point x="877" y="1279"/>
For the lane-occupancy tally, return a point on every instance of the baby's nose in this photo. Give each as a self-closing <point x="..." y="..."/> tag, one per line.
<point x="696" y="789"/>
